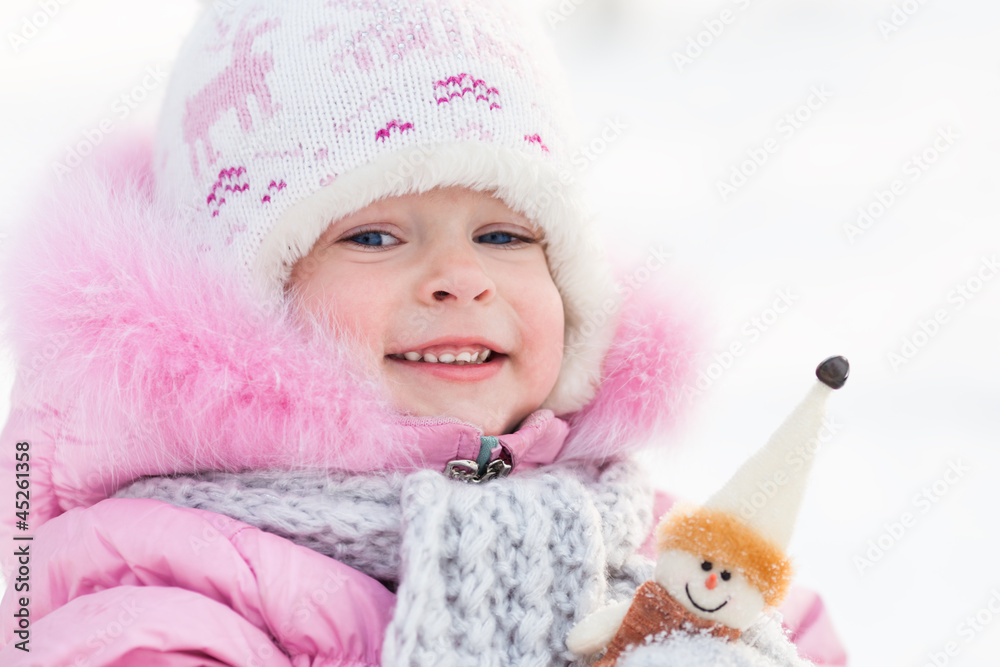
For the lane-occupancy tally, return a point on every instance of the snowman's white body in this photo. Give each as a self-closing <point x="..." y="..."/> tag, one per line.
<point x="720" y="594"/>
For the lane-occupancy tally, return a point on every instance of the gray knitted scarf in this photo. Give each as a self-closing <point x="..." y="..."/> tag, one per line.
<point x="488" y="574"/>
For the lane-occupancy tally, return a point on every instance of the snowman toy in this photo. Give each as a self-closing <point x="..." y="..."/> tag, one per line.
<point x="720" y="565"/>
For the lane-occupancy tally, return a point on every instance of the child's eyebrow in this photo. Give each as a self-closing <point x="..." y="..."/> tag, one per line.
<point x="363" y="216"/>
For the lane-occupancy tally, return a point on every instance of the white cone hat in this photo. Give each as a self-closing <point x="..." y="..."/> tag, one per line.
<point x="766" y="491"/>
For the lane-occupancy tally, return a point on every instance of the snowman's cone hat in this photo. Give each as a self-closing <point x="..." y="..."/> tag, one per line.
<point x="748" y="523"/>
<point x="767" y="490"/>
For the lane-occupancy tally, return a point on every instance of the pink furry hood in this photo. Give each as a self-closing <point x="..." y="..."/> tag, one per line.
<point x="145" y="360"/>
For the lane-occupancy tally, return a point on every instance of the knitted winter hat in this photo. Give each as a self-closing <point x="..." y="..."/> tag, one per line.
<point x="284" y="115"/>
<point x="748" y="523"/>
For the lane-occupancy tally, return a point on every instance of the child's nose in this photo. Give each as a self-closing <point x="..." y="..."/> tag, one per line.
<point x="455" y="273"/>
<point x="710" y="582"/>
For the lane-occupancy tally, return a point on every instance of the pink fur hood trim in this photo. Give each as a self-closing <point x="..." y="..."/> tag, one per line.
<point x="142" y="359"/>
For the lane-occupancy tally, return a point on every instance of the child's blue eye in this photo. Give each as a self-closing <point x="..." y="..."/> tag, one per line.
<point x="498" y="238"/>
<point x="373" y="238"/>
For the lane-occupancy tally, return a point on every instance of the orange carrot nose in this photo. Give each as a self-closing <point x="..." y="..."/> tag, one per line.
<point x="710" y="582"/>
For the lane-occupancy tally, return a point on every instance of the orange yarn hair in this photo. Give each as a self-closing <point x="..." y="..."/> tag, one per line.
<point x="716" y="535"/>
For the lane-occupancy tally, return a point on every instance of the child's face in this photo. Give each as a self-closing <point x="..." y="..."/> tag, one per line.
<point x="448" y="271"/>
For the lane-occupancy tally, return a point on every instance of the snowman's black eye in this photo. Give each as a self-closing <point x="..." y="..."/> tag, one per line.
<point x="725" y="575"/>
<point x="706" y="565"/>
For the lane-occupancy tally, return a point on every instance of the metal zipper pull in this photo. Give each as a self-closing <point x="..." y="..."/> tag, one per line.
<point x="482" y="469"/>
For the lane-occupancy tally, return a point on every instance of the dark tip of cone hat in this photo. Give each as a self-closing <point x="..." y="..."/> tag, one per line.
<point x="833" y="372"/>
<point x="752" y="494"/>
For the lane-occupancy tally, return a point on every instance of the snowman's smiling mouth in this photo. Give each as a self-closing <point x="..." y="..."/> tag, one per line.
<point x="699" y="606"/>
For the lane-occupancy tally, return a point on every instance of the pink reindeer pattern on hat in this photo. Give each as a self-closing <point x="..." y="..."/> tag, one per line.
<point x="353" y="80"/>
<point x="232" y="88"/>
<point x="394" y="31"/>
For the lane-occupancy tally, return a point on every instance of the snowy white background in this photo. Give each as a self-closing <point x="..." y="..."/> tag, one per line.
<point x="673" y="131"/>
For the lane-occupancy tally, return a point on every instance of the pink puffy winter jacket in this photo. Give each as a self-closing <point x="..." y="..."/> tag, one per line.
<point x="135" y="358"/>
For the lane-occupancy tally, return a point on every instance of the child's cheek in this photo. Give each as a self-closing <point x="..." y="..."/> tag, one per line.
<point x="544" y="321"/>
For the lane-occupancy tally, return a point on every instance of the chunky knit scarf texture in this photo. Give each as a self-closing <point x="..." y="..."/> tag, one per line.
<point x="488" y="574"/>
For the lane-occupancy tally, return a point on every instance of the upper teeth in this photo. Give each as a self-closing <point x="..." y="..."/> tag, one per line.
<point x="476" y="357"/>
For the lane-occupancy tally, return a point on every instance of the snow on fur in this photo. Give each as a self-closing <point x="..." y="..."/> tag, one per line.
<point x="144" y="347"/>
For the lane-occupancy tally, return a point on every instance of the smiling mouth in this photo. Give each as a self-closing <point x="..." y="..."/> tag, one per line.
<point x="699" y="606"/>
<point x="448" y="359"/>
<point x="461" y="372"/>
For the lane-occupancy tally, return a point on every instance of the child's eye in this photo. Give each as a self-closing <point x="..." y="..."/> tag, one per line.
<point x="502" y="239"/>
<point x="373" y="239"/>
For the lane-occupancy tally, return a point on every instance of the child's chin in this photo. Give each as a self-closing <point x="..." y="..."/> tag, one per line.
<point x="490" y="420"/>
